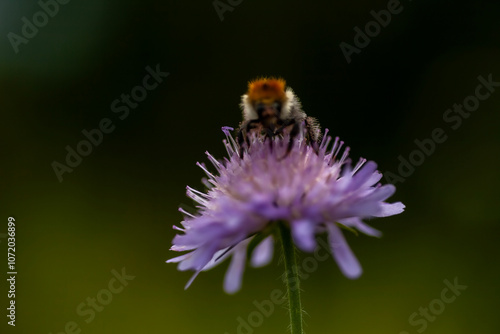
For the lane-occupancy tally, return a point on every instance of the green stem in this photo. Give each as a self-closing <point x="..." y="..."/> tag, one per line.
<point x="292" y="280"/>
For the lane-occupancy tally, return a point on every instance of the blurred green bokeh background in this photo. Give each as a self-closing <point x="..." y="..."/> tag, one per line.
<point x="116" y="209"/>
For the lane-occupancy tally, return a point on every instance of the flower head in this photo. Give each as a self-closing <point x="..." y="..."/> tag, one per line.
<point x="314" y="190"/>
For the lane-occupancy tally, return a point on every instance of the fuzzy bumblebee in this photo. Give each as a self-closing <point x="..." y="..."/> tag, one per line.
<point x="271" y="109"/>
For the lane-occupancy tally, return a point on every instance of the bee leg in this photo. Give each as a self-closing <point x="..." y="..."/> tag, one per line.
<point x="270" y="135"/>
<point x="284" y="125"/>
<point x="312" y="129"/>
<point x="241" y="139"/>
<point x="293" y="133"/>
<point x="243" y="135"/>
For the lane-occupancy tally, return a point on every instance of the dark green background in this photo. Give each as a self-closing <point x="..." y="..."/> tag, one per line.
<point x="117" y="207"/>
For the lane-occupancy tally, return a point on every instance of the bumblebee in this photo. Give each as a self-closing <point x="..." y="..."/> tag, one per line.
<point x="271" y="110"/>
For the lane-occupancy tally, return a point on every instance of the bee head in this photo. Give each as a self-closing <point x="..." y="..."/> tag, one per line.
<point x="264" y="100"/>
<point x="266" y="90"/>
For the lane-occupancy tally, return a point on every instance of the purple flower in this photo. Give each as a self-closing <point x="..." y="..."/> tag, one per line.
<point x="314" y="191"/>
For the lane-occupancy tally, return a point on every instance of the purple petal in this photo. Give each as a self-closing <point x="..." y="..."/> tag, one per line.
<point x="390" y="209"/>
<point x="219" y="257"/>
<point x="179" y="258"/>
<point x="342" y="253"/>
<point x="361" y="226"/>
<point x="266" y="208"/>
<point x="376" y="176"/>
<point x="199" y="258"/>
<point x="263" y="253"/>
<point x="182" y="248"/>
<point x="362" y="209"/>
<point x="188" y="284"/>
<point x="382" y="193"/>
<point x="234" y="274"/>
<point x="363" y="175"/>
<point x="303" y="232"/>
